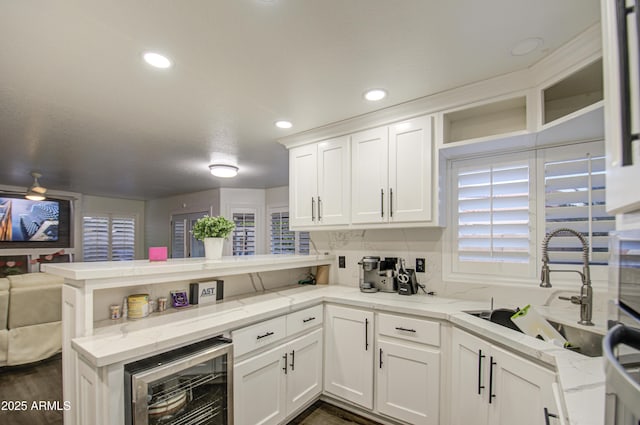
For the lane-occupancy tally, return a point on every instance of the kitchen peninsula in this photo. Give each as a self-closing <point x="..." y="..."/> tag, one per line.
<point x="84" y="280"/>
<point x="98" y="354"/>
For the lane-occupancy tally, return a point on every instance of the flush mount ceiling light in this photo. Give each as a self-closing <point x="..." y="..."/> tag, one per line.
<point x="526" y="46"/>
<point x="156" y="60"/>
<point x="36" y="192"/>
<point x="375" y="94"/>
<point x="283" y="124"/>
<point x="223" y="170"/>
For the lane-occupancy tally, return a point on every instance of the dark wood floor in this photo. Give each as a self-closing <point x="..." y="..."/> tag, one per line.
<point x="321" y="413"/>
<point x="21" y="386"/>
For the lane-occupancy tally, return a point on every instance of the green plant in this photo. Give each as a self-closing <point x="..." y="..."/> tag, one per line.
<point x="212" y="227"/>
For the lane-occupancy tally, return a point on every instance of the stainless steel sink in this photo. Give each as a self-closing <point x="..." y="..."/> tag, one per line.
<point x="583" y="341"/>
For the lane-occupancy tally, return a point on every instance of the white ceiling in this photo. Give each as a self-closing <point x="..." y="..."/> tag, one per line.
<point x="78" y="104"/>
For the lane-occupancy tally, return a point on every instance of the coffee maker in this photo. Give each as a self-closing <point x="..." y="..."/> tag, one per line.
<point x="378" y="275"/>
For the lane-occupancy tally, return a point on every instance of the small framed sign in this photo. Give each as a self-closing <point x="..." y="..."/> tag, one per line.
<point x="206" y="292"/>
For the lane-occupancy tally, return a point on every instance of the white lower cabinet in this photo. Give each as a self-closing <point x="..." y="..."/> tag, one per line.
<point x="273" y="384"/>
<point x="408" y="382"/>
<point x="493" y="386"/>
<point x="348" y="371"/>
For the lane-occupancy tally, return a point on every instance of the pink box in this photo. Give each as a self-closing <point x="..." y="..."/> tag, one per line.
<point x="158" y="253"/>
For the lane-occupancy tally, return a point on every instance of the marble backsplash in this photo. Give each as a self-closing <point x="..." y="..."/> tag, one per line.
<point x="427" y="243"/>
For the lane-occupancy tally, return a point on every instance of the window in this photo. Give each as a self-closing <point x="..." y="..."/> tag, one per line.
<point x="108" y="238"/>
<point x="492" y="218"/>
<point x="244" y="235"/>
<point x="502" y="207"/>
<point x="283" y="240"/>
<point x="574" y="184"/>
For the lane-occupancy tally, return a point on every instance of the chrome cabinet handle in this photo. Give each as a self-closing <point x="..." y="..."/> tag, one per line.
<point x="313" y="209"/>
<point x="319" y="209"/>
<point x="264" y="335"/>
<point x="382" y="203"/>
<point x="308" y="320"/>
<point x="480" y="357"/>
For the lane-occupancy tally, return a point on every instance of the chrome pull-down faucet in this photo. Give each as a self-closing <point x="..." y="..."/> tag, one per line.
<point x="585" y="299"/>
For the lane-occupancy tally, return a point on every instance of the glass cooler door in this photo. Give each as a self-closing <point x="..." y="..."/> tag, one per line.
<point x="192" y="390"/>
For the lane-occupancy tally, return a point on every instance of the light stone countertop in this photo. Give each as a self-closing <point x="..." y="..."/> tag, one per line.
<point x="581" y="378"/>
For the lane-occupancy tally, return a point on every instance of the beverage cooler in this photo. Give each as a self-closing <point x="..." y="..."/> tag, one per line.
<point x="191" y="385"/>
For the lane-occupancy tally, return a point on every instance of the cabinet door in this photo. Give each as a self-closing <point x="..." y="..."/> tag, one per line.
<point x="410" y="170"/>
<point x="303" y="185"/>
<point x="348" y="371"/>
<point x="470" y="380"/>
<point x="369" y="171"/>
<point x="520" y="389"/>
<point x="334" y="188"/>
<point x="622" y="119"/>
<point x="259" y="389"/>
<point x="408" y="384"/>
<point x="304" y="378"/>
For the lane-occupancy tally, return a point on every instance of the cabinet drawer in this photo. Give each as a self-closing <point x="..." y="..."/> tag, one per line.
<point x="304" y="319"/>
<point x="417" y="330"/>
<point x="258" y="335"/>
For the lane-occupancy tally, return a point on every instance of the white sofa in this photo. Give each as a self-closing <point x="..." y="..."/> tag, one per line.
<point x="30" y="318"/>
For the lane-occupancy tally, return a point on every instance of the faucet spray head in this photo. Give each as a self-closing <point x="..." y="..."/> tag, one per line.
<point x="545" y="276"/>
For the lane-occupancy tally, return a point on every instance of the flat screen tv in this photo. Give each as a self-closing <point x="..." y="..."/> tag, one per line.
<point x="26" y="223"/>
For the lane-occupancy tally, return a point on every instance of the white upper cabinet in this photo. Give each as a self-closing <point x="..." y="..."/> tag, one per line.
<point x="410" y="171"/>
<point x="319" y="183"/>
<point x="392" y="169"/>
<point x="622" y="105"/>
<point x="369" y="168"/>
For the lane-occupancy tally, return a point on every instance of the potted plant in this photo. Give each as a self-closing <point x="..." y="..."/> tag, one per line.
<point x="212" y="231"/>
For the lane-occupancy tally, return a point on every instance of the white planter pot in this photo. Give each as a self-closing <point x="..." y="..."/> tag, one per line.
<point x="213" y="248"/>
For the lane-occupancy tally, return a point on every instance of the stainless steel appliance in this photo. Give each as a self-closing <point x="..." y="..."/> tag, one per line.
<point x="378" y="275"/>
<point x="191" y="385"/>
<point x="622" y="344"/>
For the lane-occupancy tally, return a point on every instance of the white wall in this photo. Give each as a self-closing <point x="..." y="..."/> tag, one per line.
<point x="159" y="212"/>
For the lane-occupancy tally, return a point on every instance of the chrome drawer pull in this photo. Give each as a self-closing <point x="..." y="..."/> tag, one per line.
<point x="265" y="335"/>
<point x="308" y="320"/>
<point x="405" y="329"/>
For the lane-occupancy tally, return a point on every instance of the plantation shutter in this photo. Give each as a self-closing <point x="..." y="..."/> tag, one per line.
<point x="575" y="199"/>
<point x="123" y="237"/>
<point x="493" y="212"/>
<point x="303" y="240"/>
<point x="178" y="234"/>
<point x="95" y="238"/>
<point x="283" y="240"/>
<point x="106" y="238"/>
<point x="244" y="235"/>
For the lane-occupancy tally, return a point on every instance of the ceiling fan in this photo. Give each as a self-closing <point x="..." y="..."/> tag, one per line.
<point x="36" y="191"/>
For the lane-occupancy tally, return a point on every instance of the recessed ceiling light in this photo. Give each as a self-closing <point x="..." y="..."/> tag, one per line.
<point x="156" y="60"/>
<point x="526" y="46"/>
<point x="283" y="124"/>
<point x="223" y="170"/>
<point x="375" y="94"/>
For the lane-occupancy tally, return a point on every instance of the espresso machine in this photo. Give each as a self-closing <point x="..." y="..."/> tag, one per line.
<point x="378" y="275"/>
